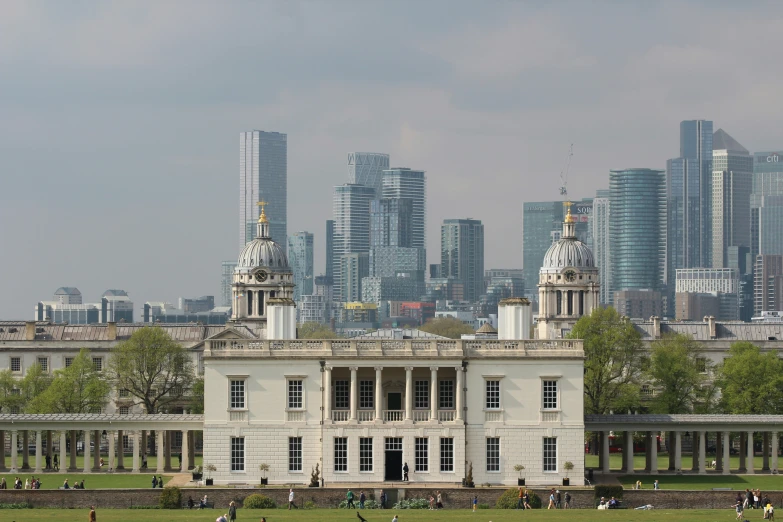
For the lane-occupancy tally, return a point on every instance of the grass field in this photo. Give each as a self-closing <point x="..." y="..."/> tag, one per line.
<point x="152" y="461"/>
<point x="706" y="482"/>
<point x="616" y="461"/>
<point x="334" y="515"/>
<point x="92" y="481"/>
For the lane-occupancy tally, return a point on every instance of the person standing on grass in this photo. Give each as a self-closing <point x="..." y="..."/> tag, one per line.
<point x="438" y="500"/>
<point x="520" y="504"/>
<point x="383" y="499"/>
<point x="291" y="499"/>
<point x="656" y="485"/>
<point x="232" y="511"/>
<point x="568" y="500"/>
<point x="349" y="498"/>
<point x="526" y="500"/>
<point x="154" y="482"/>
<point x="362" y="498"/>
<point x="551" y="500"/>
<point x="739" y="507"/>
<point x="56" y="463"/>
<point x="475" y="503"/>
<point x="92" y="517"/>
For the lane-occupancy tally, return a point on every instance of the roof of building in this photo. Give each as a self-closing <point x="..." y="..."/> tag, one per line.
<point x="262" y="252"/>
<point x="700" y="331"/>
<point x="115" y="293"/>
<point x="44" y="331"/>
<point x="721" y="140"/>
<point x="398" y="333"/>
<point x="67" y="290"/>
<point x="94" y="417"/>
<point x="568" y="251"/>
<point x="486" y="328"/>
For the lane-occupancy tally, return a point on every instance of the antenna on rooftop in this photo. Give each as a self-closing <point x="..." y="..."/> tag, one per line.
<point x="564" y="174"/>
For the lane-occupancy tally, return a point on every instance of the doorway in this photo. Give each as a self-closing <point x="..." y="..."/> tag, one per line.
<point x="394" y="401"/>
<point x="393" y="461"/>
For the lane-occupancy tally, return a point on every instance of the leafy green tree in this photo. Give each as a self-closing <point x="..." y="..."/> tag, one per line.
<point x="613" y="357"/>
<point x="197" y="396"/>
<point x="78" y="388"/>
<point x="679" y="371"/>
<point x="155" y="369"/>
<point x="751" y="382"/>
<point x="34" y="383"/>
<point x="10" y="393"/>
<point x="450" y="327"/>
<point x="313" y="330"/>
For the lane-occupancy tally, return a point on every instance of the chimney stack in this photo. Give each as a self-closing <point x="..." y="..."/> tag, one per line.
<point x="29" y="331"/>
<point x="111" y="331"/>
<point x="515" y="319"/>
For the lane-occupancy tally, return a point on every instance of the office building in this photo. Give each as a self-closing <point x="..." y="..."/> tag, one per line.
<point x="599" y="224"/>
<point x="637" y="229"/>
<point x="462" y="254"/>
<point x="380" y="290"/>
<point x="263" y="176"/>
<point x="324" y="285"/>
<point x="768" y="284"/>
<point x="226" y="278"/>
<point x="68" y="295"/>
<point x="366" y="168"/>
<point x="156" y="312"/>
<point x="115" y="306"/>
<point x="300" y="258"/>
<point x="313" y="309"/>
<point x="404" y="183"/>
<point x="330" y="261"/>
<point x="351" y="229"/>
<point x="204" y="303"/>
<point x="768" y="173"/>
<point x="54" y="312"/>
<point x="732" y="179"/>
<point x="638" y="304"/>
<point x="391" y="222"/>
<point x="353" y="269"/>
<point x="713" y="290"/>
<point x="696" y="146"/>
<point x="767" y="224"/>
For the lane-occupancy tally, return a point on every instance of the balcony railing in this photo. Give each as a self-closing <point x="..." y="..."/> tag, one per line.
<point x="388" y="416"/>
<point x="366" y="415"/>
<point x="237" y="416"/>
<point x="447" y="415"/>
<point x="393" y="415"/>
<point x="421" y="415"/>
<point x="341" y="415"/>
<point x="296" y="416"/>
<point x="493" y="416"/>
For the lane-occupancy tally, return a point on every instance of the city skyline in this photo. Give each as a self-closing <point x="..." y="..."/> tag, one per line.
<point x="469" y="115"/>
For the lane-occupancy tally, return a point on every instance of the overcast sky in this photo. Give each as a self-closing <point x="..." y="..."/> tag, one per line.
<point x="119" y="121"/>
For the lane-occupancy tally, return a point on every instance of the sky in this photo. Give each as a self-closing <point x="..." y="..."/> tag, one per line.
<point x="120" y="120"/>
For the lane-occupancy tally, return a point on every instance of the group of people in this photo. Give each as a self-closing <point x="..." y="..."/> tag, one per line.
<point x="556" y="499"/>
<point x="76" y="485"/>
<point x="231" y="515"/>
<point x="638" y="485"/>
<point x="612" y="503"/>
<point x="157" y="482"/>
<point x="48" y="460"/>
<point x="31" y="483"/>
<point x="436" y="502"/>
<point x="752" y="499"/>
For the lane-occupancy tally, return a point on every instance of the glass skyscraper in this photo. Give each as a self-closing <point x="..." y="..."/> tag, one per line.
<point x="637" y="229"/>
<point x="732" y="179"/>
<point x="366" y="168"/>
<point x="351" y="230"/>
<point x="263" y="175"/>
<point x="391" y="222"/>
<point x="692" y="179"/>
<point x="300" y="259"/>
<point x="226" y="279"/>
<point x="403" y="183"/>
<point x="462" y="254"/>
<point x="539" y="220"/>
<point x="599" y="222"/>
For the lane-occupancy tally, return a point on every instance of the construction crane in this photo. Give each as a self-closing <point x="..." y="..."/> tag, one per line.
<point x="564" y="174"/>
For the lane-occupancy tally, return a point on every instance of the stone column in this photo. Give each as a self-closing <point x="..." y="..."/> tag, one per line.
<point x="192" y="449"/>
<point x="354" y="399"/>
<point x="327" y="393"/>
<point x="433" y="393"/>
<point x="678" y="451"/>
<point x="378" y="393"/>
<point x="14" y="445"/>
<point x="765" y="452"/>
<point x="96" y="458"/>
<point x="694" y="451"/>
<point x="25" y="449"/>
<point x="63" y="457"/>
<point x="72" y="463"/>
<point x="112" y="463"/>
<point x="144" y="443"/>
<point x="749" y="464"/>
<point x="49" y="448"/>
<point x="38" y="451"/>
<point x="2" y="449"/>
<point x="120" y="449"/>
<point x="726" y="454"/>
<point x="605" y="451"/>
<point x="628" y="452"/>
<point x="702" y="452"/>
<point x="408" y="393"/>
<point x="719" y="451"/>
<point x="86" y="436"/>
<point x="774" y="452"/>
<point x="459" y="393"/>
<point x="670" y="447"/>
<point x="159" y="452"/>
<point x="185" y="453"/>
<point x="167" y="442"/>
<point x="743" y="451"/>
<point x="136" y="447"/>
<point x="653" y="436"/>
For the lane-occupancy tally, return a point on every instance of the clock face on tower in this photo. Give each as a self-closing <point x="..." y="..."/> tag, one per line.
<point x="261" y="276"/>
<point x="570" y="276"/>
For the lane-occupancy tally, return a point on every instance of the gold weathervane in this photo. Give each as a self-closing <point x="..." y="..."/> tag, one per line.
<point x="569" y="218"/>
<point x="262" y="217"/>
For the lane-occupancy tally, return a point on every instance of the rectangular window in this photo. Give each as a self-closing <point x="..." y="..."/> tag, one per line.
<point x="365" y="454"/>
<point x="237" y="391"/>
<point x="341" y="454"/>
<point x="421" y="395"/>
<point x="550" y="453"/>
<point x="393" y="443"/>
<point x="43" y="362"/>
<point x="446" y="454"/>
<point x="97" y="364"/>
<point x="550" y="395"/>
<point x="446" y="395"/>
<point x="342" y="395"/>
<point x="16" y="364"/>
<point x="295" y="399"/>
<point x="237" y="453"/>
<point x="124" y="410"/>
<point x="493" y="395"/>
<point x="422" y="456"/>
<point x="366" y="394"/>
<point x="701" y="364"/>
<point x="294" y="453"/>
<point x="68" y="362"/>
<point x="493" y="454"/>
<point x="124" y="393"/>
<point x="16" y="391"/>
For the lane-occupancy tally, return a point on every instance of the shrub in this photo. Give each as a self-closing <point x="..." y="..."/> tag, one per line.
<point x="314" y="477"/>
<point x="608" y="491"/>
<point x="257" y="501"/>
<point x="309" y="504"/>
<point x="170" y="498"/>
<point x="508" y="500"/>
<point x="483" y="506"/>
<point x="414" y="503"/>
<point x="17" y="505"/>
<point x="368" y="504"/>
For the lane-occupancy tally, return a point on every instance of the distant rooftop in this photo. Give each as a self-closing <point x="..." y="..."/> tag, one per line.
<point x="398" y="333"/>
<point x="67" y="290"/>
<point x="721" y="140"/>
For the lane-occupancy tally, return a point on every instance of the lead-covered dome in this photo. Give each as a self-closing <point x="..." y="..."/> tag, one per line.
<point x="262" y="252"/>
<point x="568" y="252"/>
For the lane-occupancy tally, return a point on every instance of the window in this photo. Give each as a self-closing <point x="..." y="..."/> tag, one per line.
<point x="16" y="364"/>
<point x="43" y="362"/>
<point x="365" y="454"/>
<point x="446" y="395"/>
<point x="295" y="399"/>
<point x="237" y="453"/>
<point x="493" y="454"/>
<point x="550" y="453"/>
<point x="422" y="456"/>
<point x="124" y="410"/>
<point x="341" y="454"/>
<point x="237" y="394"/>
<point x="446" y="454"/>
<point x="393" y="443"/>
<point x="366" y="395"/>
<point x="342" y="393"/>
<point x="550" y="395"/>
<point x="124" y="393"/>
<point x="16" y="391"/>
<point x="421" y="395"/>
<point x="701" y="364"/>
<point x="68" y="362"/>
<point x="294" y="453"/>
<point x="97" y="364"/>
<point x="493" y="395"/>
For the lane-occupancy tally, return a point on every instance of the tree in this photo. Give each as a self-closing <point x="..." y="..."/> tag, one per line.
<point x="679" y="371"/>
<point x="613" y="356"/>
<point x="313" y="330"/>
<point x="450" y="327"/>
<point x="79" y="388"/>
<point x="34" y="383"/>
<point x="155" y="370"/>
<point x="197" y="396"/>
<point x="751" y="382"/>
<point x="10" y="394"/>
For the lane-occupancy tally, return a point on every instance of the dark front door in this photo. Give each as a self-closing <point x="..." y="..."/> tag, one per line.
<point x="394" y="401"/>
<point x="393" y="465"/>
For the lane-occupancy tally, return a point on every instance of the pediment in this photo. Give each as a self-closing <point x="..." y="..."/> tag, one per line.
<point x="230" y="333"/>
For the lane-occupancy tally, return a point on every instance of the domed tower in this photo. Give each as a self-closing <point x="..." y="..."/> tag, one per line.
<point x="568" y="283"/>
<point x="263" y="286"/>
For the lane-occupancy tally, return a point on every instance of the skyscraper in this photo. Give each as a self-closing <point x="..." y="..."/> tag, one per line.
<point x="768" y="283"/>
<point x="263" y="175"/>
<point x="767" y="192"/>
<point x="391" y="222"/>
<point x="599" y="221"/>
<point x="351" y="229"/>
<point x="462" y="254"/>
<point x="696" y="147"/>
<point x="366" y="168"/>
<point x="539" y="219"/>
<point x="226" y="279"/>
<point x="403" y="183"/>
<point x="330" y="261"/>
<point x="637" y="229"/>
<point x="300" y="258"/>
<point x="732" y="179"/>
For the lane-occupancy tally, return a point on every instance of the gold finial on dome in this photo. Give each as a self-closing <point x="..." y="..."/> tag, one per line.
<point x="262" y="217"/>
<point x="569" y="218"/>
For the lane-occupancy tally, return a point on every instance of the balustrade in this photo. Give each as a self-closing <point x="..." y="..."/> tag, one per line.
<point x="366" y="415"/>
<point x="493" y="416"/>
<point x="341" y="415"/>
<point x="393" y="415"/>
<point x="296" y="416"/>
<point x="421" y="415"/>
<point x="447" y="415"/>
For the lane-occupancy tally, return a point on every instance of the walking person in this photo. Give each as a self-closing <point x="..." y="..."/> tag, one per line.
<point x="475" y="503"/>
<point x="405" y="472"/>
<point x="383" y="499"/>
<point x="362" y="498"/>
<point x="232" y="511"/>
<point x="520" y="501"/>
<point x="160" y="481"/>
<point x="558" y="499"/>
<point x="739" y="506"/>
<point x="568" y="500"/>
<point x="439" y="500"/>
<point x="48" y="462"/>
<point x="349" y="498"/>
<point x="56" y="462"/>
<point x="551" y="500"/>
<point x="291" y="499"/>
<point x="154" y="482"/>
<point x="92" y="517"/>
<point x="526" y="499"/>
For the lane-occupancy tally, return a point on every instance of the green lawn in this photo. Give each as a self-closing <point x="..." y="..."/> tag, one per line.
<point x="152" y="461"/>
<point x="702" y="482"/>
<point x="92" y="481"/>
<point x="616" y="461"/>
<point x="334" y="515"/>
